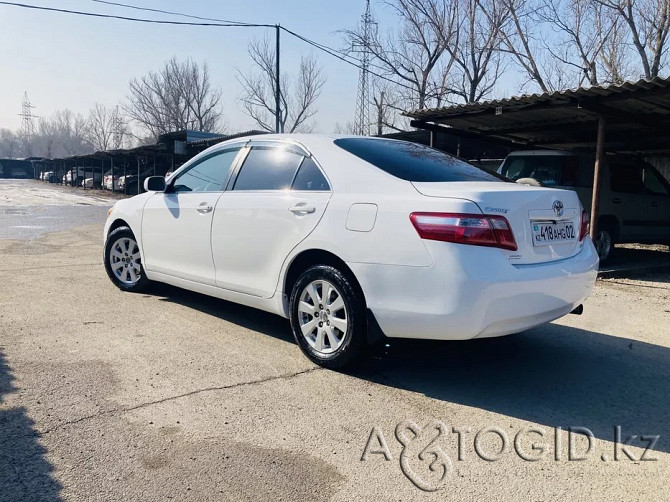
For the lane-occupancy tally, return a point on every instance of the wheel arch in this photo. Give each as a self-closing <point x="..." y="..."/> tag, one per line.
<point x="119" y="222"/>
<point x="310" y="257"/>
<point x="612" y="223"/>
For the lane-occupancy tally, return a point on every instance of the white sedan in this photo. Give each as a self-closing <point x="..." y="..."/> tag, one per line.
<point x="356" y="238"/>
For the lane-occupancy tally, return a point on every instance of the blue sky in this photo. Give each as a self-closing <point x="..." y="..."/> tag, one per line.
<point x="67" y="61"/>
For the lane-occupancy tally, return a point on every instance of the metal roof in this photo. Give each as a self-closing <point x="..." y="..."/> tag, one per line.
<point x="637" y="114"/>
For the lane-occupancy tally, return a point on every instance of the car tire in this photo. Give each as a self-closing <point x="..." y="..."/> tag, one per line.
<point x="331" y="331"/>
<point x="123" y="262"/>
<point x="605" y="243"/>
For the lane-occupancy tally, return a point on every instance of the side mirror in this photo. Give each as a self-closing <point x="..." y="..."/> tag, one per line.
<point x="154" y="184"/>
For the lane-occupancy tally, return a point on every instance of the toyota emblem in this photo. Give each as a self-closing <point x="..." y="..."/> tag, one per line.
<point x="558" y="208"/>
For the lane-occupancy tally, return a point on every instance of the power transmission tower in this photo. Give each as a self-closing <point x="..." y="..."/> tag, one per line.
<point x="362" y="121"/>
<point x="27" y="124"/>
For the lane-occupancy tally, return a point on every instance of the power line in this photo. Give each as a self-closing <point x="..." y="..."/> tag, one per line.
<point x="136" y="19"/>
<point x="182" y="14"/>
<point x="342" y="55"/>
<point x="330" y="51"/>
<point x="338" y="56"/>
<point x="173" y="13"/>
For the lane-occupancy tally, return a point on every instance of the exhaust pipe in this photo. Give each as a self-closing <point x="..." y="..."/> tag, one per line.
<point x="578" y="310"/>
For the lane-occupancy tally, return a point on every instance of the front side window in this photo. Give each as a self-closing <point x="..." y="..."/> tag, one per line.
<point x="208" y="175"/>
<point x="268" y="168"/>
<point x="626" y="178"/>
<point x="413" y="162"/>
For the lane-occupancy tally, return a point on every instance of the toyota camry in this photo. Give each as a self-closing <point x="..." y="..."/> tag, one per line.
<point x="355" y="239"/>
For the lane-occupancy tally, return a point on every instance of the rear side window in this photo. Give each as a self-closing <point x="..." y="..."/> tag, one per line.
<point x="268" y="168"/>
<point x="310" y="177"/>
<point x="411" y="161"/>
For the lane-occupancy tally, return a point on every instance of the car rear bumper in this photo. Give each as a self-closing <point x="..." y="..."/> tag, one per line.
<point x="474" y="292"/>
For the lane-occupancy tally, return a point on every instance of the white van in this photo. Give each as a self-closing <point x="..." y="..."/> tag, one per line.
<point x="634" y="197"/>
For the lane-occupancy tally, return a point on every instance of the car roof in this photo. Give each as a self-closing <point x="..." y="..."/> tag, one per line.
<point x="343" y="170"/>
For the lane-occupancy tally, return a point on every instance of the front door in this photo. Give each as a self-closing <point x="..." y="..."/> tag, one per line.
<point x="177" y="224"/>
<point x="278" y="198"/>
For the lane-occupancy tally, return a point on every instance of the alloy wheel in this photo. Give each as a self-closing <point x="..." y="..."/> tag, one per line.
<point x="125" y="261"/>
<point x="323" y="316"/>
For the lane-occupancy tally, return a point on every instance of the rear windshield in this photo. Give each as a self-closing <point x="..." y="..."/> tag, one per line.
<point x="413" y="162"/>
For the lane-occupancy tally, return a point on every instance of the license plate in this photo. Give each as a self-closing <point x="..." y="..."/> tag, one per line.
<point x="550" y="233"/>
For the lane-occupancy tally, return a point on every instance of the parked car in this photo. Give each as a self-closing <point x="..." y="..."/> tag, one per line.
<point x="131" y="184"/>
<point x="49" y="177"/>
<point x="93" y="181"/>
<point x="354" y="238"/>
<point x="634" y="197"/>
<point x="75" y="176"/>
<point x="111" y="182"/>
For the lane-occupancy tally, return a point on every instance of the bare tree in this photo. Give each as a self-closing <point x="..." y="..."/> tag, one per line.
<point x="413" y="55"/>
<point x="106" y="128"/>
<point x="9" y="144"/>
<point x="297" y="98"/>
<point x="648" y="23"/>
<point x="614" y="56"/>
<point x="476" y="53"/>
<point x="521" y="41"/>
<point x="178" y="96"/>
<point x="71" y="129"/>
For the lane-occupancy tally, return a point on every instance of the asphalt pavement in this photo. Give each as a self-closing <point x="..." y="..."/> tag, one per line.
<point x="171" y="395"/>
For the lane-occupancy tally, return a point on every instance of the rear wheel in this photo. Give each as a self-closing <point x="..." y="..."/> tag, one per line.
<point x="328" y="317"/>
<point x="605" y="242"/>
<point x="123" y="261"/>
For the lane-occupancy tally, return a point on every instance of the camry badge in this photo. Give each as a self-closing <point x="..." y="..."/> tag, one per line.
<point x="558" y="208"/>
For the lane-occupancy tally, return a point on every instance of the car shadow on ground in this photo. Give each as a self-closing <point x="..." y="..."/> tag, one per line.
<point x="554" y="375"/>
<point x="25" y="473"/>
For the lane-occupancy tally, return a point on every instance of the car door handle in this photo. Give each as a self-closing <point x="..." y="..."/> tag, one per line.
<point x="302" y="208"/>
<point x="204" y="208"/>
<point x="616" y="201"/>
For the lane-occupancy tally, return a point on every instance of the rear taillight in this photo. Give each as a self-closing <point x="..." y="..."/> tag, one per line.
<point x="585" y="225"/>
<point x="473" y="229"/>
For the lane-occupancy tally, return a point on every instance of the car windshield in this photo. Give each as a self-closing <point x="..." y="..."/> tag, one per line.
<point x="412" y="161"/>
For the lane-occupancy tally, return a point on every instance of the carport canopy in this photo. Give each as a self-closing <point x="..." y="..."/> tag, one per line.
<point x="631" y="118"/>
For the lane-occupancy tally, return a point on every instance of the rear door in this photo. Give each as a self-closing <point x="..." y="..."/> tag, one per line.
<point x="276" y="200"/>
<point x="176" y="225"/>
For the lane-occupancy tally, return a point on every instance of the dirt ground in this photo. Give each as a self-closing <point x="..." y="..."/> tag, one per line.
<point x="171" y="395"/>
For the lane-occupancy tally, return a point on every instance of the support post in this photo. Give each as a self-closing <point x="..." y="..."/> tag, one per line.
<point x="277" y="87"/>
<point x="138" y="175"/>
<point x="431" y="142"/>
<point x="111" y="161"/>
<point x="600" y="158"/>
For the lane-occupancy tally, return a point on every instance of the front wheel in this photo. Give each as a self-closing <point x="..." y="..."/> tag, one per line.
<point x="328" y="317"/>
<point x="123" y="262"/>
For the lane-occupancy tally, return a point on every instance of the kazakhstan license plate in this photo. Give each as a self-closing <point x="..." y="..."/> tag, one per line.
<point x="545" y="233"/>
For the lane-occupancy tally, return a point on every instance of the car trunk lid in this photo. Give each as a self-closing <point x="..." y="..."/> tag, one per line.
<point x="545" y="221"/>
